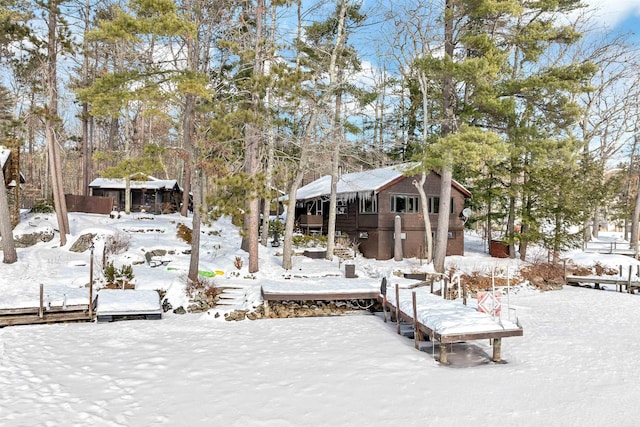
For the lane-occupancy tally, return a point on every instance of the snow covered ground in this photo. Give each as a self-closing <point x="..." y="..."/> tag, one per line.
<point x="575" y="364"/>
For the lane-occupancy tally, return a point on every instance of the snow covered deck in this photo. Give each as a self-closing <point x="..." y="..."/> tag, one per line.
<point x="49" y="310"/>
<point x="319" y="289"/>
<point x="128" y="303"/>
<point x="446" y="321"/>
<point x="322" y="289"/>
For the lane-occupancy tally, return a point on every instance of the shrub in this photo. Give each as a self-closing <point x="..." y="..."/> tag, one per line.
<point x="118" y="277"/>
<point x="305" y="241"/>
<point x="237" y="262"/>
<point x="43" y="206"/>
<point x="184" y="233"/>
<point x="117" y="243"/>
<point x="201" y="285"/>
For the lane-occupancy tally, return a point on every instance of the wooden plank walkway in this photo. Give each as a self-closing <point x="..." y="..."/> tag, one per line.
<point x="628" y="281"/>
<point x="620" y="248"/>
<point x="405" y="308"/>
<point x="43" y="315"/>
<point x="36" y="315"/>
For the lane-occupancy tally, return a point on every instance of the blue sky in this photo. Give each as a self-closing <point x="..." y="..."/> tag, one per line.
<point x="618" y="15"/>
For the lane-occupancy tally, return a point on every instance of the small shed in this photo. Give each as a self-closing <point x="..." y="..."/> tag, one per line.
<point x="158" y="196"/>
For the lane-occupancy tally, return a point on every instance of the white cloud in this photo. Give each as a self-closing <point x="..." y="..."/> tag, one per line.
<point x="612" y="12"/>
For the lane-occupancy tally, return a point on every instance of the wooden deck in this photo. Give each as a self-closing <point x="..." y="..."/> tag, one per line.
<point x="316" y="295"/>
<point x="36" y="315"/>
<point x="628" y="281"/>
<point x="421" y="330"/>
<point x="620" y="248"/>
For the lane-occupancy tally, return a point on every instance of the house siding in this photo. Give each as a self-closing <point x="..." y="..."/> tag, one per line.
<point x="374" y="232"/>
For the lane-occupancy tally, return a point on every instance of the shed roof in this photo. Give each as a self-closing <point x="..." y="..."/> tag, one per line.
<point x="4" y="155"/>
<point x="120" y="184"/>
<point x="363" y="183"/>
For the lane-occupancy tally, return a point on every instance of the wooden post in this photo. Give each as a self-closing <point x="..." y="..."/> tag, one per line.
<point x="266" y="309"/>
<point x="497" y="347"/>
<point x="443" y="354"/>
<point x="91" y="285"/>
<point x="444" y="287"/>
<point x="629" y="281"/>
<point x="384" y="307"/>
<point x="41" y="309"/>
<point x="398" y="309"/>
<point x="416" y="329"/>
<point x="464" y="294"/>
<point x="432" y="279"/>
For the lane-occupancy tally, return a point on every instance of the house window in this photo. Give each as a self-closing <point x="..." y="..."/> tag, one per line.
<point x="434" y="205"/>
<point x="314" y="207"/>
<point x="404" y="204"/>
<point x="369" y="204"/>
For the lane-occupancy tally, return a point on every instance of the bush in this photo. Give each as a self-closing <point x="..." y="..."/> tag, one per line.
<point x="43" y="206"/>
<point x="305" y="241"/>
<point x="184" y="233"/>
<point x="117" y="243"/>
<point x="118" y="277"/>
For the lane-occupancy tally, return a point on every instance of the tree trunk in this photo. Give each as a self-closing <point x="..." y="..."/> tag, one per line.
<point x="633" y="236"/>
<point x="335" y="170"/>
<point x="287" y="249"/>
<point x="127" y="194"/>
<point x="50" y="124"/>
<point x="334" y="83"/>
<point x="424" y="201"/>
<point x="442" y="231"/>
<point x="448" y="127"/>
<point x="194" y="260"/>
<point x="252" y="142"/>
<point x="6" y="232"/>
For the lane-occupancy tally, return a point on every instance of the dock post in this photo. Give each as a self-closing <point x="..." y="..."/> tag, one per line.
<point x="41" y="309"/>
<point x="91" y="283"/>
<point x="384" y="307"/>
<point x="497" y="347"/>
<point x="443" y="354"/>
<point x="629" y="281"/>
<point x="397" y="309"/>
<point x="266" y="309"/>
<point x="416" y="329"/>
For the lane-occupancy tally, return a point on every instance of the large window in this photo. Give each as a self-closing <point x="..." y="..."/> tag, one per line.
<point x="369" y="204"/>
<point x="401" y="203"/>
<point x="434" y="205"/>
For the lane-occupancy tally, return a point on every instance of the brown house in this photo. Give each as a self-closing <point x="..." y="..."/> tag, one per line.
<point x="10" y="163"/>
<point x="152" y="195"/>
<point x="369" y="201"/>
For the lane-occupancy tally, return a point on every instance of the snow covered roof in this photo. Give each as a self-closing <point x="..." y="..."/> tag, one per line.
<point x="360" y="183"/>
<point x="4" y="155"/>
<point x="120" y="184"/>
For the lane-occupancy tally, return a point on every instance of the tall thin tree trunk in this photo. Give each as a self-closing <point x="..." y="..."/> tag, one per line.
<point x="334" y="83"/>
<point x="250" y="242"/>
<point x="6" y="232"/>
<point x="51" y="123"/>
<point x="448" y="126"/>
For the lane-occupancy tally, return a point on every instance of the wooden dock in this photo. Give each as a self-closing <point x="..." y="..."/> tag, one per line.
<point x="399" y="313"/>
<point x="628" y="281"/>
<point x="47" y="314"/>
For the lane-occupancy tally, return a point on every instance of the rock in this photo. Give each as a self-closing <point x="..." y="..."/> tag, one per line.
<point x="180" y="310"/>
<point x="83" y="243"/>
<point x="30" y="239"/>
